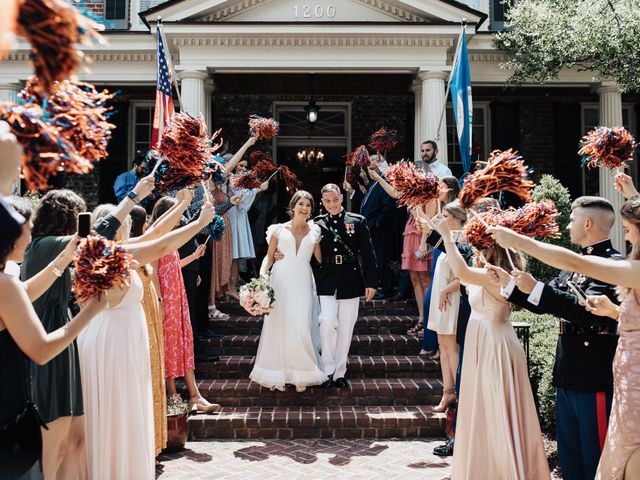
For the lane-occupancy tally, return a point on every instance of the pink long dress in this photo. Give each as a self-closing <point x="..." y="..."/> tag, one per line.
<point x="623" y="434"/>
<point x="176" y="326"/>
<point x="498" y="434"/>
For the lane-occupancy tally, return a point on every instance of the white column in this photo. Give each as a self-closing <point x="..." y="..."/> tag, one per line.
<point x="209" y="87"/>
<point x="611" y="116"/>
<point x="192" y="91"/>
<point x="9" y="92"/>
<point x="432" y="103"/>
<point x="416" y="88"/>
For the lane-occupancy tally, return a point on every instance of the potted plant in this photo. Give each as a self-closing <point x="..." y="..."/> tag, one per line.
<point x="177" y="423"/>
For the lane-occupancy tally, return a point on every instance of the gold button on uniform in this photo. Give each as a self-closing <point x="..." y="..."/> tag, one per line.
<point x="586" y="344"/>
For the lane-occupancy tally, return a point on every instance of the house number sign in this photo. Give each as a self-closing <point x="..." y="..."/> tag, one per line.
<point x="314" y="11"/>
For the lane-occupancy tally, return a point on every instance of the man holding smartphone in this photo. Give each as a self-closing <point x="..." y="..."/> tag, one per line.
<point x="582" y="372"/>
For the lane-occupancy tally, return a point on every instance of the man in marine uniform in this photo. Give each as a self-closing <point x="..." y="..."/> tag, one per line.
<point x="582" y="372"/>
<point x="341" y="280"/>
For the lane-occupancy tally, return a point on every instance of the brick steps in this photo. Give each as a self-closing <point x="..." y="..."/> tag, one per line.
<point x="388" y="366"/>
<point x="366" y="325"/>
<point x="391" y="344"/>
<point x="361" y="392"/>
<point x="319" y="422"/>
<point x="375" y="307"/>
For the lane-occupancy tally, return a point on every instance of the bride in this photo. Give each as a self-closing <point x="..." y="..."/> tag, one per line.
<point x="286" y="353"/>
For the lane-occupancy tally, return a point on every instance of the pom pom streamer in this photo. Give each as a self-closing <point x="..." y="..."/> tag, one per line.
<point x="383" y="140"/>
<point x="534" y="219"/>
<point x="258" y="155"/>
<point x="414" y="187"/>
<point x="216" y="228"/>
<point x="80" y="113"/>
<point x="612" y="148"/>
<point x="503" y="171"/>
<point x="245" y="181"/>
<point x="217" y="172"/>
<point x="359" y="158"/>
<point x="263" y="128"/>
<point x="186" y="150"/>
<point x="54" y="28"/>
<point x="46" y="152"/>
<point x="100" y="264"/>
<point x="291" y="181"/>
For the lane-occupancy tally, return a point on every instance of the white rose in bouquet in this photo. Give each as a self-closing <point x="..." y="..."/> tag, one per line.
<point x="262" y="298"/>
<point x="244" y="296"/>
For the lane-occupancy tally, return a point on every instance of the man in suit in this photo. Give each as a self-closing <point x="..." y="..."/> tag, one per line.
<point x="582" y="372"/>
<point x="379" y="209"/>
<point x="347" y="272"/>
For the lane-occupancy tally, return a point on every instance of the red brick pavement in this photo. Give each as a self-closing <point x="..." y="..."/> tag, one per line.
<point x="306" y="459"/>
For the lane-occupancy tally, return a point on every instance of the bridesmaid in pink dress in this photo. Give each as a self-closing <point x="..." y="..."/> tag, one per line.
<point x="498" y="434"/>
<point x="620" y="457"/>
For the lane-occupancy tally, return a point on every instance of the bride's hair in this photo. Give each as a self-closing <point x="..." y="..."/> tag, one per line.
<point x="296" y="198"/>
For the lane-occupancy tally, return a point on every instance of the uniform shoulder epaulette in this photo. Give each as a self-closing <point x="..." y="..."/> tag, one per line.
<point x="354" y="215"/>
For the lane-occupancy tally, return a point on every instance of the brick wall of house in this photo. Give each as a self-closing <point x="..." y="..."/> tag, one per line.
<point x="94" y="7"/>
<point x="368" y="113"/>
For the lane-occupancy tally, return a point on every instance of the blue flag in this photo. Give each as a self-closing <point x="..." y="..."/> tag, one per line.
<point x="462" y="103"/>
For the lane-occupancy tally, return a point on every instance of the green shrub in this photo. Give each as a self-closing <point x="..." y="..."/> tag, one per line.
<point x="550" y="188"/>
<point x="542" y="351"/>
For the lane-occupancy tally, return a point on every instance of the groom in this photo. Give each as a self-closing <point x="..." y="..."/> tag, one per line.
<point x="340" y="281"/>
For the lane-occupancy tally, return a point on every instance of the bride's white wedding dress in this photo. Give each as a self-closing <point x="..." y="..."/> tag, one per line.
<point x="287" y="353"/>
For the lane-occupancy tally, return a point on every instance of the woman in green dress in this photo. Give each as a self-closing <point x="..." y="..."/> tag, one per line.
<point x="58" y="388"/>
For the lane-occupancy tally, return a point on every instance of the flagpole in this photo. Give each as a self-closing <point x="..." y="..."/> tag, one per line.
<point x="456" y="55"/>
<point x="168" y="56"/>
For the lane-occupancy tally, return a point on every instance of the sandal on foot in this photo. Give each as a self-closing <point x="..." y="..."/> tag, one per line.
<point x="203" y="406"/>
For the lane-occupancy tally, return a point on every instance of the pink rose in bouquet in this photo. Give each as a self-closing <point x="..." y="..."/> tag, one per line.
<point x="257" y="297"/>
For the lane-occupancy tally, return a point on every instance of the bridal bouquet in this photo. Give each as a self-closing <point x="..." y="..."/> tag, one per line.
<point x="257" y="296"/>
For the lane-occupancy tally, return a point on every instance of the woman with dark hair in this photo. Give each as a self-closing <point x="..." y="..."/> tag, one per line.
<point x="58" y="384"/>
<point x="22" y="336"/>
<point x="620" y="457"/>
<point x="497" y="432"/>
<point x="138" y="221"/>
<point x="286" y="353"/>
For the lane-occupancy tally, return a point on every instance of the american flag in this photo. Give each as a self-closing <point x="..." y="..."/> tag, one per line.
<point x="164" y="98"/>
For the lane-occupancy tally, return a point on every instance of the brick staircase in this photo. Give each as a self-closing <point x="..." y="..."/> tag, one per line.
<point x="391" y="394"/>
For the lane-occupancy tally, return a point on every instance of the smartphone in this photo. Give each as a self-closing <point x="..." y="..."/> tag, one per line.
<point x="579" y="293"/>
<point x="84" y="224"/>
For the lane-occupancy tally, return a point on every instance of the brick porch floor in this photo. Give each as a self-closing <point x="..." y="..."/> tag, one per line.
<point x="306" y="459"/>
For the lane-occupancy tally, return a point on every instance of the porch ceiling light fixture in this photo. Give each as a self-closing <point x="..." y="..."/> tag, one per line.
<point x="310" y="156"/>
<point x="311" y="111"/>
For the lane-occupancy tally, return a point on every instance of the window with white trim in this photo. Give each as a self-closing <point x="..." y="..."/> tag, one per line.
<point x="140" y="126"/>
<point x="480" y="140"/>
<point x="116" y="14"/>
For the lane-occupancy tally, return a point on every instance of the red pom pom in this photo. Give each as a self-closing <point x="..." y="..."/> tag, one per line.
<point x="215" y="146"/>
<point x="45" y="152"/>
<point x="504" y="171"/>
<point x="383" y="140"/>
<point x="263" y="128"/>
<point x="534" y="219"/>
<point x="186" y="148"/>
<point x="359" y="158"/>
<point x="54" y="28"/>
<point x="80" y="113"/>
<point x="291" y="181"/>
<point x="414" y="186"/>
<point x="607" y="147"/>
<point x="263" y="166"/>
<point x="475" y="230"/>
<point x="100" y="264"/>
<point x="246" y="181"/>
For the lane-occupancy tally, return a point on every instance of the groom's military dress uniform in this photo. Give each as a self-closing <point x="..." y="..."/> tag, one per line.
<point x="582" y="373"/>
<point x="348" y="267"/>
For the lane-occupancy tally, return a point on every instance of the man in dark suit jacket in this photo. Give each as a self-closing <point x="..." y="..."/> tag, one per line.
<point x="348" y="271"/>
<point x="380" y="211"/>
<point x="582" y="372"/>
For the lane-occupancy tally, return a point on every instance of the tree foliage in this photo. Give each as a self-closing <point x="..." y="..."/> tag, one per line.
<point x="547" y="36"/>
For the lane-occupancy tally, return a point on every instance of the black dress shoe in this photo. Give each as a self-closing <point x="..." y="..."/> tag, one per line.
<point x="399" y="297"/>
<point x="328" y="383"/>
<point x="341" y="383"/>
<point x="201" y="357"/>
<point x="445" y="450"/>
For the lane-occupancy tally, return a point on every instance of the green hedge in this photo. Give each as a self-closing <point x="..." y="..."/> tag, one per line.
<point x="542" y="351"/>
